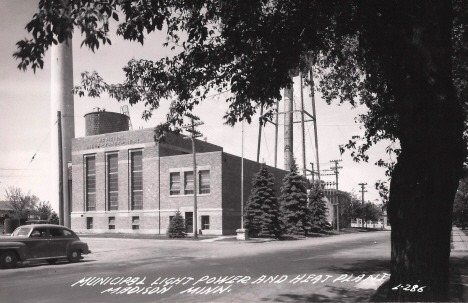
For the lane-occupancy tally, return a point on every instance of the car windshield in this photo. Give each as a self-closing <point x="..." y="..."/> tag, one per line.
<point x="21" y="232"/>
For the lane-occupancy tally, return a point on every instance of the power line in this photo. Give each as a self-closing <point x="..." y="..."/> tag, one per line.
<point x="34" y="156"/>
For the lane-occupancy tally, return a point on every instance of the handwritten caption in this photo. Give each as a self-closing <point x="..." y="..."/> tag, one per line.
<point x="411" y="288"/>
<point x="209" y="284"/>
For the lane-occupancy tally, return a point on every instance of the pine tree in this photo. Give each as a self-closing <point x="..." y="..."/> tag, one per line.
<point x="318" y="208"/>
<point x="293" y="199"/>
<point x="177" y="226"/>
<point x="262" y="216"/>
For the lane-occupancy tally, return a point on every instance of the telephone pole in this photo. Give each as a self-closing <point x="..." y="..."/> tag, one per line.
<point x="195" y="121"/>
<point x="336" y="171"/>
<point x="363" y="190"/>
<point x="60" y="171"/>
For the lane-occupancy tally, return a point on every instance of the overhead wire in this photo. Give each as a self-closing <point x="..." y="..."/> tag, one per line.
<point x="34" y="156"/>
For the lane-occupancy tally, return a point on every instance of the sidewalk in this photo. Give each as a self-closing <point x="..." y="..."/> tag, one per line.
<point x="459" y="239"/>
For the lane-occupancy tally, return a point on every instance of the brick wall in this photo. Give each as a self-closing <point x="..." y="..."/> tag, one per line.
<point x="105" y="122"/>
<point x="154" y="218"/>
<point x="232" y="187"/>
<point x="222" y="204"/>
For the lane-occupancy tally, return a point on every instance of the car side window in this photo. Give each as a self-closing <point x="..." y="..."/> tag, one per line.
<point x="56" y="232"/>
<point x="67" y="233"/>
<point x="39" y="233"/>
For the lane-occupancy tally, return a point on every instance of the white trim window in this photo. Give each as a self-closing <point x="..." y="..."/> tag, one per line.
<point x="188" y="186"/>
<point x="175" y="183"/>
<point x="136" y="178"/>
<point x="113" y="181"/>
<point x="90" y="182"/>
<point x="204" y="177"/>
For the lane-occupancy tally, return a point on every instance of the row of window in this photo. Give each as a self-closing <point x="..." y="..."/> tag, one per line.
<point x="112" y="181"/>
<point x="111" y="225"/>
<point x="188" y="189"/>
<point x="136" y="181"/>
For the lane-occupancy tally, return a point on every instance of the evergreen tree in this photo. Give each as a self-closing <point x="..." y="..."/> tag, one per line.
<point x="262" y="216"/>
<point x="296" y="215"/>
<point x="54" y="218"/>
<point x="177" y="226"/>
<point x="318" y="208"/>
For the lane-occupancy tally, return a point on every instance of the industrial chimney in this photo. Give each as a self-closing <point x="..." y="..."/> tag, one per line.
<point x="288" y="128"/>
<point x="62" y="100"/>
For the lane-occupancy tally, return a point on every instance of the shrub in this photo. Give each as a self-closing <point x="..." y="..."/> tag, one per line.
<point x="177" y="226"/>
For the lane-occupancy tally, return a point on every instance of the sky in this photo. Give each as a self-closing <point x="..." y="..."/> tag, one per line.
<point x="26" y="124"/>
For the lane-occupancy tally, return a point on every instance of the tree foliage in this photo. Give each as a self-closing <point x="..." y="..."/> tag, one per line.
<point x="23" y="205"/>
<point x="349" y="207"/>
<point x="54" y="218"/>
<point x="405" y="60"/>
<point x="369" y="212"/>
<point x="317" y="208"/>
<point x="293" y="201"/>
<point x="43" y="211"/>
<point x="262" y="216"/>
<point x="177" y="227"/>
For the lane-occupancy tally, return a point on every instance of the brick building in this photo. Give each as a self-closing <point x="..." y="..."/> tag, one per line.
<point x="125" y="181"/>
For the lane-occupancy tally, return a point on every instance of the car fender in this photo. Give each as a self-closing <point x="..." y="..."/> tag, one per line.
<point x="19" y="247"/>
<point x="79" y="245"/>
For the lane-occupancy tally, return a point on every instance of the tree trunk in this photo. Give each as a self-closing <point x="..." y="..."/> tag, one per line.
<point x="426" y="175"/>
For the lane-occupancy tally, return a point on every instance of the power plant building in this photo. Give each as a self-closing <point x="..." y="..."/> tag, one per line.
<point x="126" y="181"/>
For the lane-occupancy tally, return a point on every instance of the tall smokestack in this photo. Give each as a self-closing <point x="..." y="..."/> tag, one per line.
<point x="62" y="100"/>
<point x="288" y="127"/>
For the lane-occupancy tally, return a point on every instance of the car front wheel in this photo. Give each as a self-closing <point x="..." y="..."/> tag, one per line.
<point x="8" y="260"/>
<point x="74" y="255"/>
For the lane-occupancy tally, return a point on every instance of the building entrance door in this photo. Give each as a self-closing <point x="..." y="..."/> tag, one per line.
<point x="189" y="222"/>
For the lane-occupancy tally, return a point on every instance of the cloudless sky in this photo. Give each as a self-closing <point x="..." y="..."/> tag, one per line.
<point x="25" y="118"/>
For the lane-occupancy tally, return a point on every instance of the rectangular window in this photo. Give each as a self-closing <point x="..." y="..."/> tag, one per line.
<point x="189" y="222"/>
<point x="135" y="222"/>
<point x="113" y="181"/>
<point x="188" y="188"/>
<point x="89" y="223"/>
<point x="175" y="184"/>
<point x="204" y="177"/>
<point x="111" y="222"/>
<point x="205" y="222"/>
<point x="90" y="180"/>
<point x="136" y="168"/>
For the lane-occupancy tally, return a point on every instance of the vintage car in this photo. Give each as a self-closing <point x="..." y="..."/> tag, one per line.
<point x="41" y="242"/>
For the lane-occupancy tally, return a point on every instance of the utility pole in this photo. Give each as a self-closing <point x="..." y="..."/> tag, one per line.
<point x="60" y="155"/>
<point x="314" y="114"/>
<point x="304" y="168"/>
<point x="312" y="172"/>
<point x="276" y="133"/>
<point x="194" y="134"/>
<point x="335" y="169"/>
<point x="242" y="178"/>
<point x="363" y="190"/>
<point x="259" y="133"/>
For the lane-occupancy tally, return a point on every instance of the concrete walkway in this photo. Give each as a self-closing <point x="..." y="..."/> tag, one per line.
<point x="217" y="238"/>
<point x="459" y="239"/>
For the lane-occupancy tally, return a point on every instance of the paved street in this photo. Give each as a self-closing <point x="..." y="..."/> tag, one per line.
<point x="272" y="271"/>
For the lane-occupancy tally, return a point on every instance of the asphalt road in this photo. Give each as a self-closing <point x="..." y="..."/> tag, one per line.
<point x="309" y="270"/>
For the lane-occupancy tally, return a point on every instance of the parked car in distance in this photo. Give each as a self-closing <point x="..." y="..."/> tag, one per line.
<point x="41" y="242"/>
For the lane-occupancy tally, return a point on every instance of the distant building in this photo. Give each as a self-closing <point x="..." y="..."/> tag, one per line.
<point x="5" y="212"/>
<point x="125" y="181"/>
